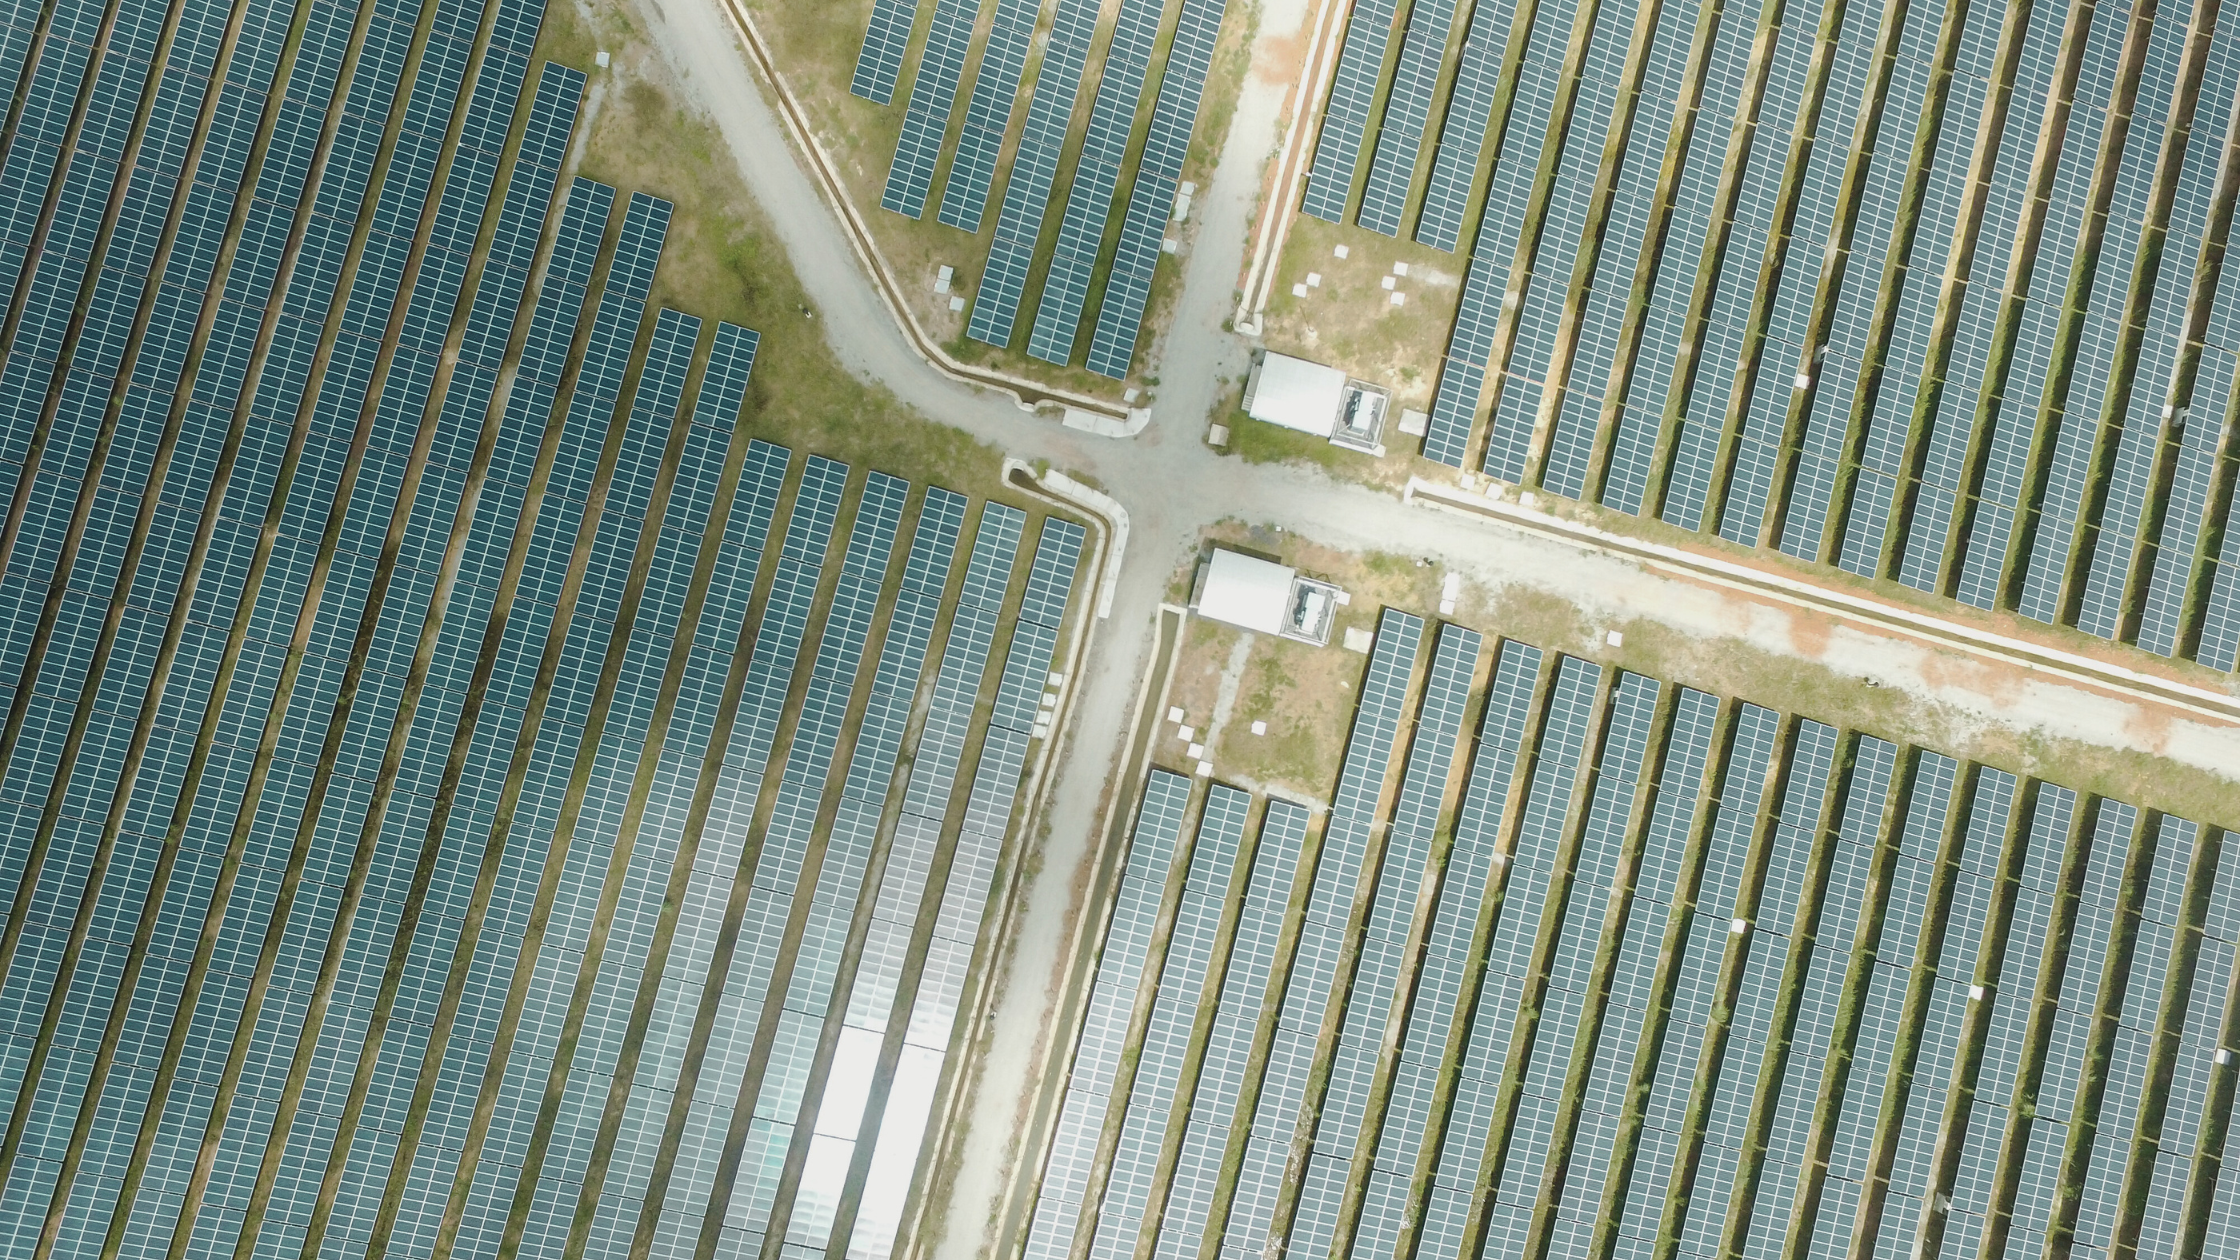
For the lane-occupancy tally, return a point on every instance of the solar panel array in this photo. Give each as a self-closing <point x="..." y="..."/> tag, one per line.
<point x="1555" y="235"/>
<point x="1345" y="116"/>
<point x="1174" y="115"/>
<point x="289" y="815"/>
<point x="910" y="856"/>
<point x="1377" y="985"/>
<point x="747" y="975"/>
<point x="885" y="41"/>
<point x="925" y="118"/>
<point x="1096" y="180"/>
<point x="1838" y="349"/>
<point x="1782" y="915"/>
<point x="1957" y="412"/>
<point x="1034" y="171"/>
<point x="972" y="864"/>
<point x="995" y="92"/>
<point x="1109" y="1012"/>
<point x="618" y="1202"/>
<point x="1646" y="1194"/>
<point x="1238" y="1022"/>
<point x="1313" y="969"/>
<point x="1463" y="132"/>
<point x="2047" y="844"/>
<point x="1167" y="1049"/>
<point x="1447" y="959"/>
<point x="1570" y="964"/>
<point x="1751" y="986"/>
<point x="1407" y="111"/>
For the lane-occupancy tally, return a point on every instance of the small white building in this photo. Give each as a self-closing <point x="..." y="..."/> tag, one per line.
<point x="1263" y="596"/>
<point x="1312" y="398"/>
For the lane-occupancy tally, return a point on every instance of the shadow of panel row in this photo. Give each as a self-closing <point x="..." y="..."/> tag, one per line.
<point x="1677" y="977"/>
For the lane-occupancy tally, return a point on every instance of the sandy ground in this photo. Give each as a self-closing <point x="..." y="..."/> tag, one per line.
<point x="1173" y="485"/>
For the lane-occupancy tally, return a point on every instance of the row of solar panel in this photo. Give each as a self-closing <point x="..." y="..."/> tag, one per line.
<point x="128" y="875"/>
<point x="1379" y="975"/>
<point x="1756" y="921"/>
<point x="836" y="1121"/>
<point x="1072" y="272"/>
<point x="1017" y="719"/>
<point x="1903" y="472"/>
<point x="1110" y="1010"/>
<point x="753" y="967"/>
<point x="716" y="865"/>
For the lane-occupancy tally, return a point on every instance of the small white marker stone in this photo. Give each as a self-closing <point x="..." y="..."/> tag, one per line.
<point x="1527" y="498"/>
<point x="1399" y="299"/>
<point x="1175" y="714"/>
<point x="1614" y="639"/>
<point x="1259" y="728"/>
<point x="1803" y="379"/>
<point x="1975" y="993"/>
<point x="602" y="59"/>
<point x="1298" y="290"/>
<point x="1339" y="252"/>
<point x="1205" y="769"/>
<point x="1186" y="734"/>
<point x="1195" y="751"/>
<point x="2223" y="1055"/>
<point x="1314" y="279"/>
<point x="1739" y="926"/>
<point x="1399" y="269"/>
<point x="956" y="304"/>
<point x="1389" y="282"/>
<point x="1170" y="245"/>
<point x="1057" y="679"/>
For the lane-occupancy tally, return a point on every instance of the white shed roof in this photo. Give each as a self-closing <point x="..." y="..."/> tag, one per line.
<point x="1245" y="591"/>
<point x="1297" y="394"/>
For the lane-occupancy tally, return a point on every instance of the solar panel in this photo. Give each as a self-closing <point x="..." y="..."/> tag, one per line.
<point x="818" y="720"/>
<point x="925" y="118"/>
<point x="987" y="823"/>
<point x="1380" y="978"/>
<point x="1034" y="168"/>
<point x="885" y="41"/>
<point x="995" y="92"/>
<point x="1308" y="991"/>
<point x="313" y="492"/>
<point x="1104" y="1033"/>
<point x="1096" y="178"/>
<point x="1151" y="201"/>
<point x="1166" y="1048"/>
<point x="1345" y="116"/>
<point x="558" y="738"/>
<point x="123" y="482"/>
<point x="1463" y="131"/>
<point x="1407" y="110"/>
